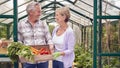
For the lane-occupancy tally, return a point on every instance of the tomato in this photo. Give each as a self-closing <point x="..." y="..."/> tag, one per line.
<point x="42" y="51"/>
<point x="46" y="52"/>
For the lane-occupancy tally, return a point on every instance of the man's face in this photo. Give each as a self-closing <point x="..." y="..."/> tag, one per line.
<point x="36" y="12"/>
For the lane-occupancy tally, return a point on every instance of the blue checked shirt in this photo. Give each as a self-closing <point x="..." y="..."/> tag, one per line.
<point x="37" y="35"/>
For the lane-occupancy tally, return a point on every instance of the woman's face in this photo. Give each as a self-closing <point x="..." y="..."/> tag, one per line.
<point x="59" y="17"/>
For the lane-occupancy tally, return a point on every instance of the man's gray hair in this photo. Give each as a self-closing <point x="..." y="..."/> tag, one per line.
<point x="31" y="6"/>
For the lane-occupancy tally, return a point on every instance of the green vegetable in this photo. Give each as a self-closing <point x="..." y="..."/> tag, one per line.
<point x="56" y="55"/>
<point x="16" y="49"/>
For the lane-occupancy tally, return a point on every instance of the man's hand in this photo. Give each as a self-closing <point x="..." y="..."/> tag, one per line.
<point x="4" y="43"/>
<point x="56" y="54"/>
<point x="51" y="48"/>
<point x="0" y="43"/>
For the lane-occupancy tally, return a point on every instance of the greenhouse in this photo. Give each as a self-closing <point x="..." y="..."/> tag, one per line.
<point x="96" y="25"/>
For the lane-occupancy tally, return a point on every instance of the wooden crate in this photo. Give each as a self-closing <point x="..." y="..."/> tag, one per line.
<point x="37" y="58"/>
<point x="3" y="50"/>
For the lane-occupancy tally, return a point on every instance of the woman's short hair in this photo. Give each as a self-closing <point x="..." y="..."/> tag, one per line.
<point x="64" y="11"/>
<point x="31" y="6"/>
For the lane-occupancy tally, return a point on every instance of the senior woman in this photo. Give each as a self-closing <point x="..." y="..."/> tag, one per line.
<point x="63" y="39"/>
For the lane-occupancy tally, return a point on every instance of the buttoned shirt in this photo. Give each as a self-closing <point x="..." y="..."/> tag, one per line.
<point x="33" y="35"/>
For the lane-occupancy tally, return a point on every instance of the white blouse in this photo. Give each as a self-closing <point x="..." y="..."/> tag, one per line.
<point x="58" y="42"/>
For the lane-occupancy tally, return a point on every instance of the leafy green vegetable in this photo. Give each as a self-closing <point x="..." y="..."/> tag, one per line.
<point x="16" y="49"/>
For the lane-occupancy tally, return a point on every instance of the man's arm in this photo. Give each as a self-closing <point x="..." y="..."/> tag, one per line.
<point x="49" y="38"/>
<point x="20" y="37"/>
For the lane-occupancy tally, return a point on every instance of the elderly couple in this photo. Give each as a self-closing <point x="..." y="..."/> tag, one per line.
<point x="32" y="31"/>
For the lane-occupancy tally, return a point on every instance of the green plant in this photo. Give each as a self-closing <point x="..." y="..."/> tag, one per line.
<point x="51" y="27"/>
<point x="83" y="58"/>
<point x="3" y="33"/>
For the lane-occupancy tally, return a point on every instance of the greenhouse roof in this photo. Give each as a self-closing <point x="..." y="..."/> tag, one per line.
<point x="81" y="10"/>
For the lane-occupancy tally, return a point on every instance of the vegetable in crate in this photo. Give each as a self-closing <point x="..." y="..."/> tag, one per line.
<point x="26" y="53"/>
<point x="44" y="51"/>
<point x="16" y="49"/>
<point x="12" y="49"/>
<point x="34" y="51"/>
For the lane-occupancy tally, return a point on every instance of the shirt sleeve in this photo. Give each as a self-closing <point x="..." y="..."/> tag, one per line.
<point x="48" y="35"/>
<point x="20" y="37"/>
<point x="69" y="43"/>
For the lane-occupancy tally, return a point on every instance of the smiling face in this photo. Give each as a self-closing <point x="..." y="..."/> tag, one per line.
<point x="60" y="17"/>
<point x="36" y="12"/>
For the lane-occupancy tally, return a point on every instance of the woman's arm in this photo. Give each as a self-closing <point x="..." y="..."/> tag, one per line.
<point x="70" y="43"/>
